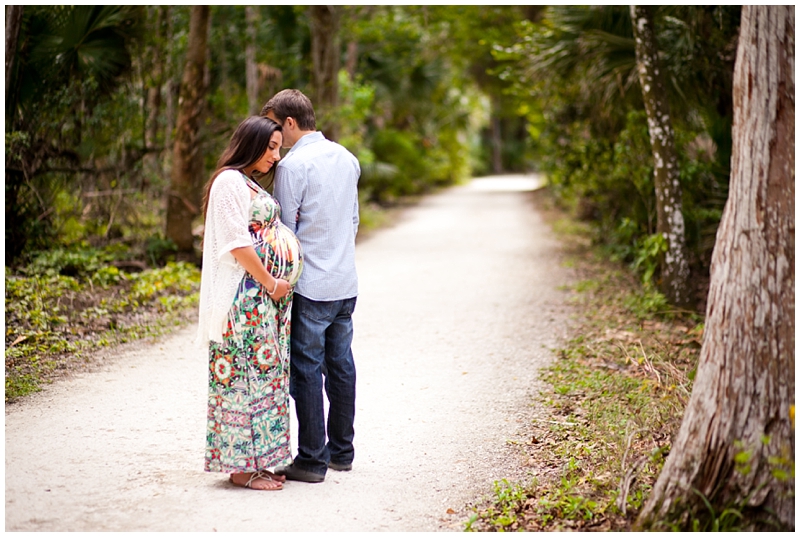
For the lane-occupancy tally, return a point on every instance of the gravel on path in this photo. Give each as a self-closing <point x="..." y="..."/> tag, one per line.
<point x="459" y="307"/>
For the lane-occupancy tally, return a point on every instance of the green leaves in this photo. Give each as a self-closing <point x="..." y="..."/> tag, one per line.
<point x="54" y="320"/>
<point x="83" y="41"/>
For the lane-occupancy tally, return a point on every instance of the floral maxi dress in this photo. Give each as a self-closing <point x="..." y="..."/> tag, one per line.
<point x="248" y="399"/>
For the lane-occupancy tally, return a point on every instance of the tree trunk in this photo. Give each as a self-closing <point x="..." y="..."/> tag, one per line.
<point x="669" y="199"/>
<point x="251" y="67"/>
<point x="736" y="443"/>
<point x="155" y="81"/>
<point x="352" y="59"/>
<point x="13" y="24"/>
<point x="169" y="90"/>
<point x="187" y="163"/>
<point x="325" y="60"/>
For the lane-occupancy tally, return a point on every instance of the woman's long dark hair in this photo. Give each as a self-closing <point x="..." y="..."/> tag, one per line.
<point x="248" y="144"/>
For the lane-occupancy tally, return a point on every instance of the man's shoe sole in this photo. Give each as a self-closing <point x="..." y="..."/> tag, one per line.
<point x="296" y="474"/>
<point x="340" y="467"/>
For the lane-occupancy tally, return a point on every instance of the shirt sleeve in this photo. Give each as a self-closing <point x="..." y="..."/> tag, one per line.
<point x="228" y="208"/>
<point x="355" y="216"/>
<point x="288" y="193"/>
<point x="356" y="219"/>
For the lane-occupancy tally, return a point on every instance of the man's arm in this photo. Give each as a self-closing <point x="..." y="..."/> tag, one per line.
<point x="287" y="197"/>
<point x="355" y="216"/>
<point x="356" y="219"/>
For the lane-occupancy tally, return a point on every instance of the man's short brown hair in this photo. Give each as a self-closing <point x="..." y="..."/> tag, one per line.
<point x="292" y="103"/>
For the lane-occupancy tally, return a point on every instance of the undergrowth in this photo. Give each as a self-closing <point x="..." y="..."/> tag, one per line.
<point x="65" y="305"/>
<point x="614" y="396"/>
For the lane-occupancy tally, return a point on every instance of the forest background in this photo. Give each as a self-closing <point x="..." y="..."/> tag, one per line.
<point x="115" y="116"/>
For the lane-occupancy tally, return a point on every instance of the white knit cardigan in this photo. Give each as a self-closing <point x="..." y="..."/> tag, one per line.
<point x="226" y="228"/>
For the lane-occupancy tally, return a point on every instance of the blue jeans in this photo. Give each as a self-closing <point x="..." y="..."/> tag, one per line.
<point x="321" y="336"/>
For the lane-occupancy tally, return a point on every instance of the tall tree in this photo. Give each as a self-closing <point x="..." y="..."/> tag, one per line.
<point x="154" y="82"/>
<point x="325" y="61"/>
<point x="251" y="67"/>
<point x="735" y="448"/>
<point x="669" y="198"/>
<point x="13" y="24"/>
<point x="187" y="162"/>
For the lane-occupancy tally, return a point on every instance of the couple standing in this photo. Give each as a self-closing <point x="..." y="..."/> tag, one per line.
<point x="275" y="266"/>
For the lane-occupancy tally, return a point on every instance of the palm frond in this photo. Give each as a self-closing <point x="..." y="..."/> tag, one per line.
<point x="83" y="40"/>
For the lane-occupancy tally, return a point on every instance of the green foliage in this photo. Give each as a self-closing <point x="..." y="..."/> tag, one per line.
<point x="648" y="252"/>
<point x="160" y="250"/>
<point x="573" y="75"/>
<point x="87" y="162"/>
<point x="74" y="262"/>
<point x="648" y="303"/>
<point x="729" y="519"/>
<point x="71" y="60"/>
<point x="400" y="149"/>
<point x="67" y="303"/>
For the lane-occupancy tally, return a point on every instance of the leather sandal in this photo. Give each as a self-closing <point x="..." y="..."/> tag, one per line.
<point x="258" y="475"/>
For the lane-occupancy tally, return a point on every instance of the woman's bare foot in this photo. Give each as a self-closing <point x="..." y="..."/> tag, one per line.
<point x="256" y="481"/>
<point x="275" y="477"/>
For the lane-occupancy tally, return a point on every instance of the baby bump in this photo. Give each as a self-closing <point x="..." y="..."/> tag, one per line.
<point x="281" y="252"/>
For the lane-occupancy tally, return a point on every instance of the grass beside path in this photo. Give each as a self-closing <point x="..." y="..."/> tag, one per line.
<point x="615" y="397"/>
<point x="71" y="305"/>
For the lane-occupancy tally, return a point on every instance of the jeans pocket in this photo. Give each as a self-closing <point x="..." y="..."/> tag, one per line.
<point x="349" y="306"/>
<point x="318" y="311"/>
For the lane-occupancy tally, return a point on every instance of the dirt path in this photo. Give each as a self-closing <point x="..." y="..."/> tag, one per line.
<point x="459" y="305"/>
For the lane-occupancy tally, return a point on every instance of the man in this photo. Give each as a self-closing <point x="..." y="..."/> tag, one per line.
<point x="316" y="186"/>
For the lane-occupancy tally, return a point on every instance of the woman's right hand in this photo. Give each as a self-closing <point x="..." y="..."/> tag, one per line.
<point x="281" y="291"/>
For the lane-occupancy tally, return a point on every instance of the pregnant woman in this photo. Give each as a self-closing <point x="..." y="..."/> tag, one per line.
<point x="251" y="262"/>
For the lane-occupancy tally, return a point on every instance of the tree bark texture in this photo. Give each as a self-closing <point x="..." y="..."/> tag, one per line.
<point x="169" y="90"/>
<point x="352" y="59"/>
<point x="250" y="65"/>
<point x="13" y="24"/>
<point x="187" y="162"/>
<point x="155" y="81"/>
<point x="736" y="443"/>
<point x="325" y="62"/>
<point x="669" y="198"/>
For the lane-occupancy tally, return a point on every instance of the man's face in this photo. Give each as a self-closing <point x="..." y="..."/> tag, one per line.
<point x="287" y="125"/>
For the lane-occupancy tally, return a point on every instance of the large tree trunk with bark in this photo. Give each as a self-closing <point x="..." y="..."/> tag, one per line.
<point x="325" y="62"/>
<point x="187" y="162"/>
<point x="735" y="448"/>
<point x="669" y="199"/>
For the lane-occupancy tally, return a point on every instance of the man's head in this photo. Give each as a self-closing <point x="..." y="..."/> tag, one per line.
<point x="294" y="112"/>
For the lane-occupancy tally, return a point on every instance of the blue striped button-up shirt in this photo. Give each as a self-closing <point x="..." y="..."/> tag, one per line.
<point x="316" y="186"/>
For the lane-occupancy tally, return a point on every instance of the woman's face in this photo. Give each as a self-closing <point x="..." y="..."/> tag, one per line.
<point x="270" y="156"/>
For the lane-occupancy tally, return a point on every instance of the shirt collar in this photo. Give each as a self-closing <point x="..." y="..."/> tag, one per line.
<point x="307" y="139"/>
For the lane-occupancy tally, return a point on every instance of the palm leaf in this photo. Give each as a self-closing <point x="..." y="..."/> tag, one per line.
<point x="83" y="41"/>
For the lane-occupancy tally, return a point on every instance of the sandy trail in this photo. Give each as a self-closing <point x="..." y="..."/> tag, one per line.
<point x="459" y="305"/>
